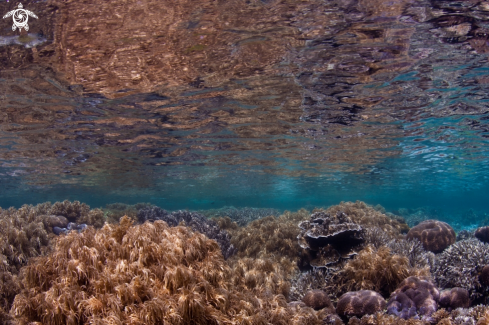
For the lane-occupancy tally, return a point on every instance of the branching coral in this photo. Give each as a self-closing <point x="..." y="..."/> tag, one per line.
<point x="149" y="274"/>
<point x="413" y="249"/>
<point x="460" y="265"/>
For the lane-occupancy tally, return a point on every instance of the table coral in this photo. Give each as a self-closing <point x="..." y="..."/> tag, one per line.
<point x="328" y="239"/>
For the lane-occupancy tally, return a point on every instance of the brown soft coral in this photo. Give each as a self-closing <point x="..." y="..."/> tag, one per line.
<point x="149" y="274"/>
<point x="71" y="210"/>
<point x="270" y="236"/>
<point x="379" y="270"/>
<point x="368" y="217"/>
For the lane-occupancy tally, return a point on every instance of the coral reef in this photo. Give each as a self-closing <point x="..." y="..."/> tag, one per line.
<point x="195" y="221"/>
<point x="71" y="210"/>
<point x="435" y="235"/>
<point x="359" y="303"/>
<point x="115" y="211"/>
<point x="484" y="276"/>
<point x="323" y="229"/>
<point x="413" y="249"/>
<point x="318" y="299"/>
<point x="461" y="316"/>
<point x="69" y="227"/>
<point x="147" y="274"/>
<point x="261" y="276"/>
<point x="454" y="298"/>
<point x="376" y="237"/>
<point x="379" y="270"/>
<point x="415" y="297"/>
<point x="368" y="217"/>
<point x="460" y="265"/>
<point x="464" y="234"/>
<point x="329" y="238"/>
<point x="270" y="236"/>
<point x="242" y="216"/>
<point x="482" y="233"/>
<point x="331" y="280"/>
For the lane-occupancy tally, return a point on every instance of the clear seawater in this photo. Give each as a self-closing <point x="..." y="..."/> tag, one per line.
<point x="278" y="104"/>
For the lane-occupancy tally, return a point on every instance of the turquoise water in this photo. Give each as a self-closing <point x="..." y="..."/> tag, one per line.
<point x="312" y="105"/>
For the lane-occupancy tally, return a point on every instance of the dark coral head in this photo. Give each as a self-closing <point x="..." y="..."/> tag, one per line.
<point x="484" y="276"/>
<point x="482" y="234"/>
<point x="454" y="298"/>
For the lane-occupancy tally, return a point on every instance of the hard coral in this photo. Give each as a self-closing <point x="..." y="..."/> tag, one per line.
<point x="331" y="280"/>
<point x="359" y="303"/>
<point x="329" y="238"/>
<point x="318" y="299"/>
<point x="454" y="298"/>
<point x="323" y="229"/>
<point x="484" y="276"/>
<point x="145" y="274"/>
<point x="379" y="270"/>
<point x="435" y="235"/>
<point x="413" y="249"/>
<point x="482" y="234"/>
<point x="460" y="265"/>
<point x="414" y="297"/>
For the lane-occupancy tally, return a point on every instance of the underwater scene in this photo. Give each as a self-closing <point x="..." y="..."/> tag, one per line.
<point x="244" y="162"/>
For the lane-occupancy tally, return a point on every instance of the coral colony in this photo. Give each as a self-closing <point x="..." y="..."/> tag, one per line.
<point x="65" y="263"/>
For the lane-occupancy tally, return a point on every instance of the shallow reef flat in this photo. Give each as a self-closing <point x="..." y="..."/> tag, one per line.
<point x="351" y="263"/>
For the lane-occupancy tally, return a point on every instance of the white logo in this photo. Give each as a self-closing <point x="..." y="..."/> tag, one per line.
<point x="20" y="17"/>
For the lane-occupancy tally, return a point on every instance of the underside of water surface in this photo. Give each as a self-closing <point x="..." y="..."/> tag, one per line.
<point x="273" y="104"/>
